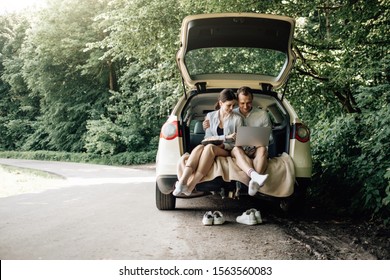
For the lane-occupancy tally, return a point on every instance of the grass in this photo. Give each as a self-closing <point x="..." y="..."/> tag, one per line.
<point x="15" y="170"/>
<point x="18" y="180"/>
<point x="127" y="158"/>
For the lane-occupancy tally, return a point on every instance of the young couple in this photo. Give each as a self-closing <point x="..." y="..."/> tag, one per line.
<point x="223" y="123"/>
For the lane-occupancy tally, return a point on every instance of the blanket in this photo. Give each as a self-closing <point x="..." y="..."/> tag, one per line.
<point x="280" y="181"/>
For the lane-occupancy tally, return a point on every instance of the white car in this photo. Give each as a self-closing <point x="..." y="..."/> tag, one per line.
<point x="231" y="50"/>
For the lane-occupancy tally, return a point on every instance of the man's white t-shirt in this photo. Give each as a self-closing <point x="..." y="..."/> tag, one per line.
<point x="257" y="118"/>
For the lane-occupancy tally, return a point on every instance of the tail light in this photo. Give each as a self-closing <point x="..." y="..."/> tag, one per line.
<point x="169" y="130"/>
<point x="300" y="132"/>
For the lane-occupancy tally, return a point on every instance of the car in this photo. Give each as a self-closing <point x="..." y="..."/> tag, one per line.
<point x="231" y="50"/>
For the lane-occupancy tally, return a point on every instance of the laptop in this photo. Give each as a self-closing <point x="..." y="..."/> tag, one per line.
<point x="253" y="136"/>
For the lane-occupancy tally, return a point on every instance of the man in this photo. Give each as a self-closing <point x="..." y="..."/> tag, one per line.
<point x="252" y="160"/>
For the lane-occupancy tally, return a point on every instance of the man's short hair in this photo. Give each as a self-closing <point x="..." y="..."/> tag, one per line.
<point x="245" y="91"/>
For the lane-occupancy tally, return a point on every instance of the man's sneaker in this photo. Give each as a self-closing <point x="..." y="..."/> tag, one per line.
<point x="259" y="178"/>
<point x="208" y="218"/>
<point x="218" y="218"/>
<point x="253" y="188"/>
<point x="257" y="215"/>
<point x="247" y="218"/>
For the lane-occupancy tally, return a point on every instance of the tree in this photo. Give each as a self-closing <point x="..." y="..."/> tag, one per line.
<point x="18" y="108"/>
<point x="343" y="83"/>
<point x="71" y="82"/>
<point x="142" y="39"/>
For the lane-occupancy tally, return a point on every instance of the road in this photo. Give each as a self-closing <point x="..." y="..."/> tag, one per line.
<point x="106" y="212"/>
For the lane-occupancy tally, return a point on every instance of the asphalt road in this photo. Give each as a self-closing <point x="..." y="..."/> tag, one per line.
<point x="105" y="212"/>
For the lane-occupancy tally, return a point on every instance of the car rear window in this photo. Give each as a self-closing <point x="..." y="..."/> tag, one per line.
<point x="235" y="61"/>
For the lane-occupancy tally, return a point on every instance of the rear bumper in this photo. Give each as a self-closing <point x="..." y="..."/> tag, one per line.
<point x="166" y="183"/>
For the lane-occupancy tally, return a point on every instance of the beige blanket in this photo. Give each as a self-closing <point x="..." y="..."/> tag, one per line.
<point x="280" y="182"/>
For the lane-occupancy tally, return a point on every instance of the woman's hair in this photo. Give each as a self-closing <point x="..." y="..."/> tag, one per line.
<point x="225" y="95"/>
<point x="245" y="91"/>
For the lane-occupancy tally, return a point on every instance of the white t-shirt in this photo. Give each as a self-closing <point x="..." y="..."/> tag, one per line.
<point x="257" y="117"/>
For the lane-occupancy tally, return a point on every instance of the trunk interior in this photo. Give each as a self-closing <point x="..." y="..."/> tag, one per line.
<point x="199" y="105"/>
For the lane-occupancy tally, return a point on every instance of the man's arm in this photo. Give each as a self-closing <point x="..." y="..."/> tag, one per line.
<point x="206" y="124"/>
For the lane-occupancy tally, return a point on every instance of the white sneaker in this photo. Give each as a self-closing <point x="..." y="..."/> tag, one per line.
<point x="257" y="215"/>
<point x="218" y="218"/>
<point x="259" y="178"/>
<point x="253" y="188"/>
<point x="247" y="218"/>
<point x="179" y="189"/>
<point x="186" y="191"/>
<point x="208" y="218"/>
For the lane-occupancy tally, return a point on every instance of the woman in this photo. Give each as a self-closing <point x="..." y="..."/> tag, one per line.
<point x="223" y="125"/>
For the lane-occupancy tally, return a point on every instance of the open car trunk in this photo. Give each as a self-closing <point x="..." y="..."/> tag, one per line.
<point x="199" y="104"/>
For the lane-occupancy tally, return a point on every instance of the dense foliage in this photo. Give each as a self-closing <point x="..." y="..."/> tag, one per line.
<point x="99" y="77"/>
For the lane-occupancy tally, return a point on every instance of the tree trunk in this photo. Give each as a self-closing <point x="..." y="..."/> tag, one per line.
<point x="112" y="76"/>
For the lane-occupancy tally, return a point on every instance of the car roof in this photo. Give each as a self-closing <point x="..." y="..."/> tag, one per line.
<point x="236" y="30"/>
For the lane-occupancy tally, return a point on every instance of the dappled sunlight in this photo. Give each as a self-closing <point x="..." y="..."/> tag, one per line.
<point x="18" y="5"/>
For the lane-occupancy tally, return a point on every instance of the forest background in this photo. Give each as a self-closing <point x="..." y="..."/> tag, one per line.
<point x="94" y="80"/>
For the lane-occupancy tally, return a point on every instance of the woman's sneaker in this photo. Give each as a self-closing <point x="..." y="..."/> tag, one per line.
<point x="179" y="189"/>
<point x="218" y="218"/>
<point x="208" y="218"/>
<point x="247" y="218"/>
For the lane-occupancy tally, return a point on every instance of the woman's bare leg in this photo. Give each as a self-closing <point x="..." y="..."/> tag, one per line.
<point x="191" y="165"/>
<point x="206" y="161"/>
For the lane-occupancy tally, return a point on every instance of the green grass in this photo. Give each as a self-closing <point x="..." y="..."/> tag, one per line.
<point x="128" y="158"/>
<point x="29" y="171"/>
